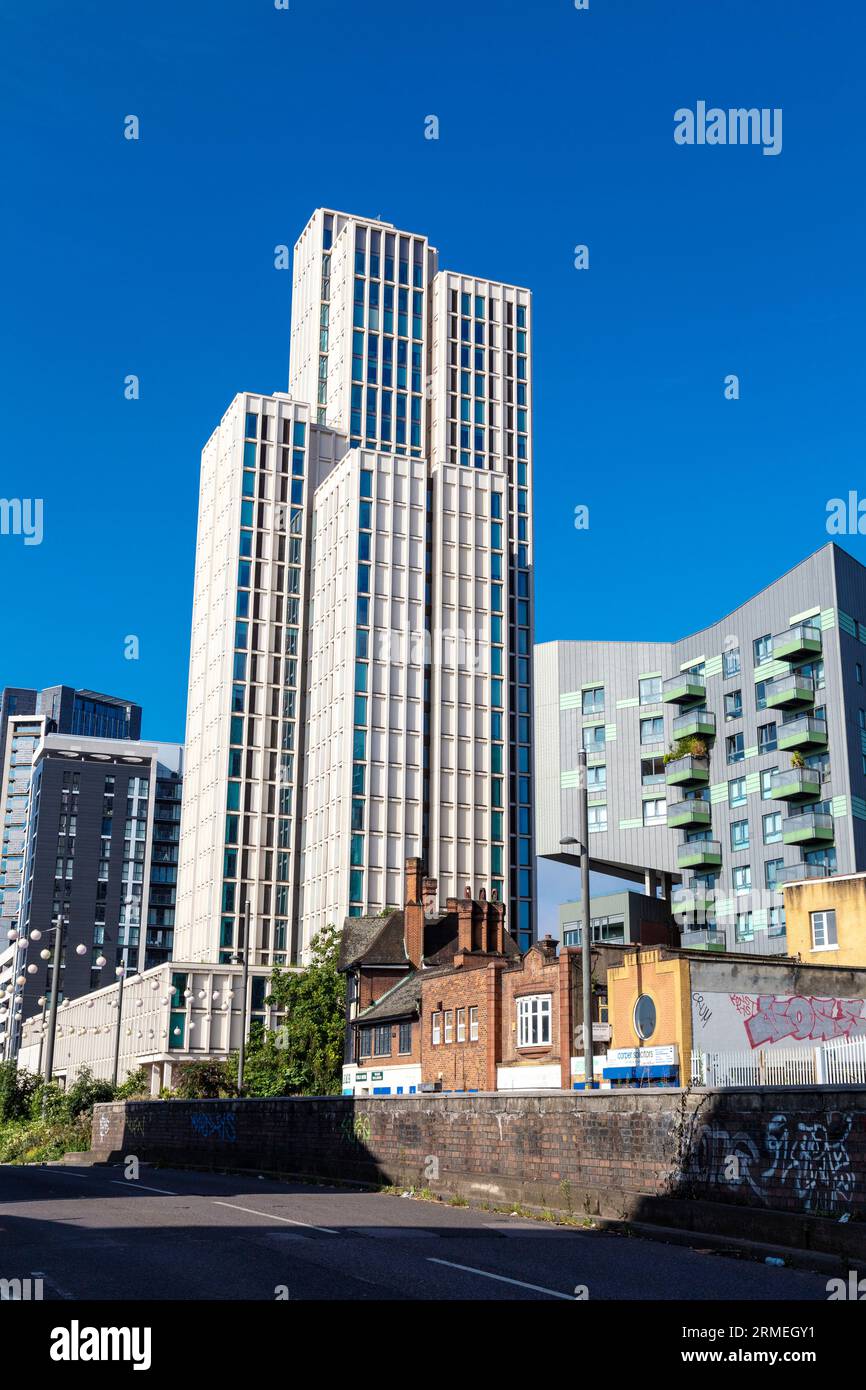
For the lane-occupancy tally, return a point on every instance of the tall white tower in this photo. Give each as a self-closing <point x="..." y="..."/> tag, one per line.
<point x="362" y="622"/>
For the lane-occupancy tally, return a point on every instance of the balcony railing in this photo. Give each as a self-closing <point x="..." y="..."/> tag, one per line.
<point x="684" y="689"/>
<point x="796" y="784"/>
<point x="703" y="940"/>
<point x="699" y="854"/>
<point x="687" y="813"/>
<point x="807" y="827"/>
<point x="687" y="771"/>
<point x="797" y="643"/>
<point x="697" y="724"/>
<point x="805" y="732"/>
<point x="795" y="873"/>
<point x="790" y="692"/>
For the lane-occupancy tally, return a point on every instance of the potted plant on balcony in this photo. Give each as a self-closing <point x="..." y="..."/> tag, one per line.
<point x="797" y="760"/>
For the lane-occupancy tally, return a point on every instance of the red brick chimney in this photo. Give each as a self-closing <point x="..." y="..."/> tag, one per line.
<point x="430" y="896"/>
<point x="496" y="925"/>
<point x="413" y="913"/>
<point x="464" y="922"/>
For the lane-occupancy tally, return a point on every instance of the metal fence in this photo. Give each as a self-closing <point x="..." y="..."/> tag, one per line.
<point x="841" y="1062"/>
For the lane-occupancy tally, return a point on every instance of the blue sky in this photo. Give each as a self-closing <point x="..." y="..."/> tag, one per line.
<point x="155" y="257"/>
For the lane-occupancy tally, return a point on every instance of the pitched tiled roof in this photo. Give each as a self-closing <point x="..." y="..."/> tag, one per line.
<point x="400" y="1000"/>
<point x="373" y="940"/>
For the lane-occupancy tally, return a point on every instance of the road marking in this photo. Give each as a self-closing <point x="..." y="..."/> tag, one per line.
<point x="132" y="1185"/>
<point x="485" y="1274"/>
<point x="64" y="1172"/>
<point x="271" y="1216"/>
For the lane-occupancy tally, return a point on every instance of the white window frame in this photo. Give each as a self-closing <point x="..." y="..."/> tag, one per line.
<point x="823" y="924"/>
<point x="461" y="1025"/>
<point x="436" y="1020"/>
<point x="449" y="1025"/>
<point x="535" y="1020"/>
<point x="473" y="1023"/>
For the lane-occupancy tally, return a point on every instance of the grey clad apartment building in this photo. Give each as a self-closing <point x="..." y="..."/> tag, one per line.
<point x="722" y="765"/>
<point x="101" y="853"/>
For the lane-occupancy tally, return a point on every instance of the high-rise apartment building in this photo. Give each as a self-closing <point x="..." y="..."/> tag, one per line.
<point x="723" y="765"/>
<point x="25" y="715"/>
<point x="360" y="675"/>
<point x="100" y="859"/>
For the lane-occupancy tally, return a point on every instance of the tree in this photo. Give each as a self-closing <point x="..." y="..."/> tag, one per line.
<point x="306" y="1053"/>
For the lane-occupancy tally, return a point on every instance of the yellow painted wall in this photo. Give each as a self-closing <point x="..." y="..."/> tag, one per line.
<point x="666" y="980"/>
<point x="847" y="897"/>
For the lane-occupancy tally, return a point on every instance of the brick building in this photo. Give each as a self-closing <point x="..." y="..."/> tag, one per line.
<point x="442" y="998"/>
<point x="388" y="957"/>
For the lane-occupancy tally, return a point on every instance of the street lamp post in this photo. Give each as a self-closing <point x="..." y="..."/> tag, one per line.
<point x="586" y="927"/>
<point x="244" y="987"/>
<point x="120" y="972"/>
<point x="55" y="990"/>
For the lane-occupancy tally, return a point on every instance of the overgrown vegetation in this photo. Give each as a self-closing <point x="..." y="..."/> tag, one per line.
<point x="303" y="1056"/>
<point x="41" y="1122"/>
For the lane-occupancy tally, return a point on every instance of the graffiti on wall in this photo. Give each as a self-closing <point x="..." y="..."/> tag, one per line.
<point x="804" y="1020"/>
<point x="215" y="1127"/>
<point x="733" y="1022"/>
<point x="810" y="1161"/>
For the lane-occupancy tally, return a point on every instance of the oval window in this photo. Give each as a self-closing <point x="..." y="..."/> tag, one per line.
<point x="644" y="1017"/>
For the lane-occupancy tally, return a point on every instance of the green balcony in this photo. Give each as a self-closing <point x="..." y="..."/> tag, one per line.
<point x="685" y="689"/>
<point x="703" y="939"/>
<point x="699" y="854"/>
<point x="698" y="723"/>
<point x="803" y="733"/>
<point x="688" y="815"/>
<point x="790" y="692"/>
<point x="797" y="643"/>
<point x="687" y="772"/>
<point x="808" y="828"/>
<point x="796" y="784"/>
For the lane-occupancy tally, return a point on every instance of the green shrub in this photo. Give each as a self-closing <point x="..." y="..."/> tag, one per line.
<point x="203" y="1081"/>
<point x="17" y="1089"/>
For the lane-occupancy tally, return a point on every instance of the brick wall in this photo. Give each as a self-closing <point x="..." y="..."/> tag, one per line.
<point x="798" y="1152"/>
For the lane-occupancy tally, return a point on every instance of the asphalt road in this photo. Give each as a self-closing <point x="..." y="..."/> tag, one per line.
<point x="91" y="1234"/>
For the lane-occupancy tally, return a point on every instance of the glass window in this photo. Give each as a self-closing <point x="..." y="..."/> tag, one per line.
<point x="650" y="689"/>
<point x="644" y="1017"/>
<point x="652" y="730"/>
<point x="596" y="777"/>
<point x="593" y="700"/>
<point x="731" y="662"/>
<point x="436" y="1029"/>
<point x="739" y="834"/>
<point x="737" y="791"/>
<point x="735" y="748"/>
<point x="743" y="930"/>
<point x="655" y="811"/>
<point x="761" y="694"/>
<point x="593" y="738"/>
<point x="734" y="704"/>
<point x="762" y="649"/>
<point x="772" y="870"/>
<point x="773" y="828"/>
<point x="766" y="783"/>
<point x="597" y="819"/>
<point x="742" y="878"/>
<point x="823" y="930"/>
<point x="767" y="738"/>
<point x="405" y="1041"/>
<point x="534" y="1020"/>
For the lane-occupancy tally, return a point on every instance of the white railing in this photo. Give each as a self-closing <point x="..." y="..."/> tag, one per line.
<point x="841" y="1062"/>
<point x="845" y="1062"/>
